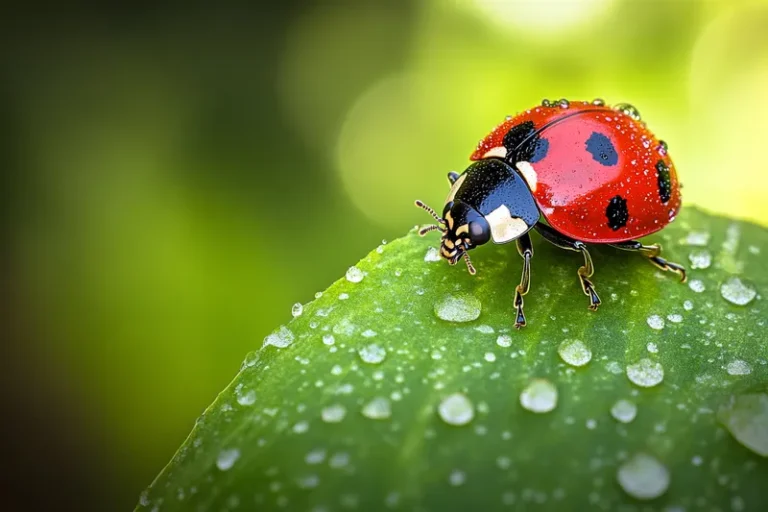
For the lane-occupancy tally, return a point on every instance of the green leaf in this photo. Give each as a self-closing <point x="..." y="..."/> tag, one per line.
<point x="369" y="401"/>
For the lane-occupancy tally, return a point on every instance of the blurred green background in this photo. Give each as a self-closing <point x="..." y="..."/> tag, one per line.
<point x="177" y="177"/>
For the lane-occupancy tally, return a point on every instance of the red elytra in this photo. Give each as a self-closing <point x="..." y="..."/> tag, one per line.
<point x="592" y="156"/>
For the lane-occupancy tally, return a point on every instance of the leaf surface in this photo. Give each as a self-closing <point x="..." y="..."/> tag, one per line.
<point x="368" y="400"/>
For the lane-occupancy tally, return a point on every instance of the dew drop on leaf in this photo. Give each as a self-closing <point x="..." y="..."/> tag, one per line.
<point x="504" y="340"/>
<point x="539" y="396"/>
<point x="738" y="367"/>
<point x="574" y="352"/>
<point x="280" y="339"/>
<point x="227" y="458"/>
<point x="316" y="456"/>
<point x="377" y="409"/>
<point x="354" y="275"/>
<point x="457" y="477"/>
<point x="297" y="310"/>
<point x="737" y="292"/>
<point x="372" y="354"/>
<point x="645" y="373"/>
<point x="456" y="409"/>
<point x="655" y="322"/>
<point x="458" y="308"/>
<point x="700" y="259"/>
<point x="675" y="318"/>
<point x="746" y="418"/>
<point x="624" y="411"/>
<point x="308" y="482"/>
<point x="698" y="238"/>
<point x="333" y="413"/>
<point x="696" y="285"/>
<point x="432" y="255"/>
<point x="247" y="398"/>
<point x="338" y="460"/>
<point x="643" y="477"/>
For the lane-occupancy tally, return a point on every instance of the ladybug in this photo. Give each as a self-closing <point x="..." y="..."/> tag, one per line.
<point x="578" y="173"/>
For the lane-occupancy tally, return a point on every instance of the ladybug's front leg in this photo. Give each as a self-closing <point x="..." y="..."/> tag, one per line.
<point x="585" y="271"/>
<point x="525" y="248"/>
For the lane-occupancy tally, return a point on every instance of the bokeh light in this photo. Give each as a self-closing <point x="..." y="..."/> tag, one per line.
<point x="542" y="16"/>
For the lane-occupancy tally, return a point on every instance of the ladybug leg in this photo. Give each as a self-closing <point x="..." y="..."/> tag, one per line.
<point x="452" y="177"/>
<point x="653" y="253"/>
<point x="525" y="248"/>
<point x="585" y="271"/>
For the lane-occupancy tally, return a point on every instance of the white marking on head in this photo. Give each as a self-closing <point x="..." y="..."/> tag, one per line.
<point x="504" y="227"/>
<point x="498" y="151"/>
<point x="455" y="188"/>
<point x="528" y="172"/>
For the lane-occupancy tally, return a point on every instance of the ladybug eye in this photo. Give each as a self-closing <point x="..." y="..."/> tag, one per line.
<point x="479" y="231"/>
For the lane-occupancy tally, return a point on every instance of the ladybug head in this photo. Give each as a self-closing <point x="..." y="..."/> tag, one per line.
<point x="463" y="229"/>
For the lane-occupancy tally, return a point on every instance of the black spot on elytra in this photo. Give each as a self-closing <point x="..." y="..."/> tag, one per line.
<point x="523" y="144"/>
<point x="664" y="181"/>
<point x="602" y="150"/>
<point x="617" y="213"/>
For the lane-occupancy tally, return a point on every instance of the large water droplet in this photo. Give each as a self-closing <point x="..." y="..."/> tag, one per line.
<point x="746" y="418"/>
<point x="281" y="339"/>
<point x="539" y="396"/>
<point x="456" y="409"/>
<point x="735" y="291"/>
<point x="643" y="477"/>
<point x="227" y="458"/>
<point x="432" y="255"/>
<point x="624" y="411"/>
<point x="333" y="413"/>
<point x="458" y="308"/>
<point x="700" y="259"/>
<point x="655" y="322"/>
<point x="645" y="373"/>
<point x="629" y="110"/>
<point x="504" y="340"/>
<point x="297" y="309"/>
<point x="355" y="275"/>
<point x="372" y="354"/>
<point x="574" y="352"/>
<point x="377" y="409"/>
<point x="738" y="367"/>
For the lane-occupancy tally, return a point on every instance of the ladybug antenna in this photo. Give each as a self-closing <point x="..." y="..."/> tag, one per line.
<point x="432" y="227"/>
<point x="470" y="267"/>
<point x="430" y="211"/>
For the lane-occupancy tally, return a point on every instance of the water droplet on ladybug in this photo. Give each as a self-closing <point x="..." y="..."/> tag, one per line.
<point x="598" y="102"/>
<point x="563" y="103"/>
<point x="629" y="110"/>
<point x="546" y="103"/>
<point x="662" y="148"/>
<point x="508" y="118"/>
